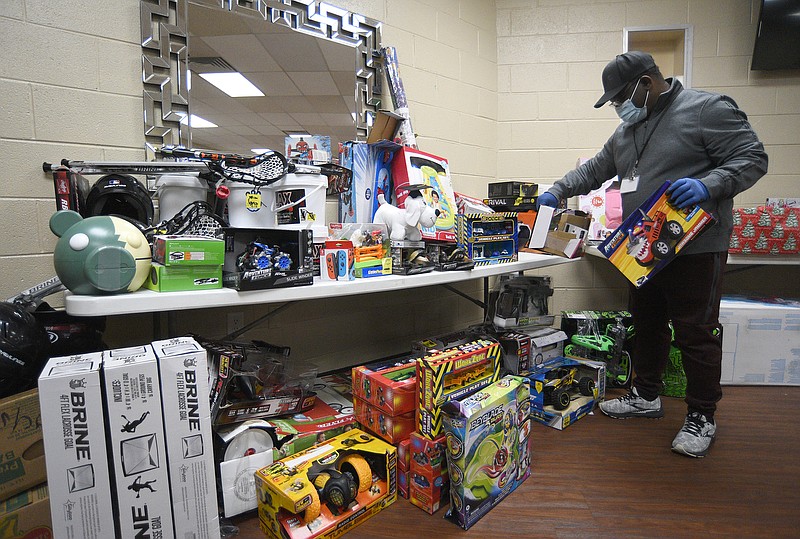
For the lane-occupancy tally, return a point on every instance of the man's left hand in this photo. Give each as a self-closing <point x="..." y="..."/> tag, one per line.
<point x="687" y="192"/>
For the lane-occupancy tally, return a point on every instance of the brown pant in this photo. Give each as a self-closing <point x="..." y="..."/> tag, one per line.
<point x="687" y="292"/>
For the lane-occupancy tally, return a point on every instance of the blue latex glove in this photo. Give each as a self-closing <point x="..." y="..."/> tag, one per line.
<point x="687" y="192"/>
<point x="546" y="199"/>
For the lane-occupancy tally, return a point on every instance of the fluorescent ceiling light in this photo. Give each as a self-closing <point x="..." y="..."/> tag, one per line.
<point x="297" y="134"/>
<point x="197" y="122"/>
<point x="259" y="151"/>
<point x="234" y="84"/>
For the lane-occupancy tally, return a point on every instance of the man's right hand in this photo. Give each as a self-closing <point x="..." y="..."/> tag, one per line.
<point x="546" y="199"/>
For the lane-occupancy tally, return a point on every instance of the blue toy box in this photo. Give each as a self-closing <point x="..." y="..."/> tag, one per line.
<point x="488" y="447"/>
<point x="564" y="390"/>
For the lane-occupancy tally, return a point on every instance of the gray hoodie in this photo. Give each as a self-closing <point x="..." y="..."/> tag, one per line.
<point x="689" y="134"/>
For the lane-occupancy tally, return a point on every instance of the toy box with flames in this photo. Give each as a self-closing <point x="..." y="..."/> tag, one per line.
<point x="327" y="489"/>
<point x="452" y="374"/>
<point x="488" y="445"/>
<point x="652" y="236"/>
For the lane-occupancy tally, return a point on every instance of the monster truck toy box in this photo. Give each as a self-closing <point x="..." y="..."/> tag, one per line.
<point x="652" y="236"/>
<point x="488" y="447"/>
<point x="327" y="489"/>
<point x="259" y="258"/>
<point x="564" y="390"/>
<point x="389" y="385"/>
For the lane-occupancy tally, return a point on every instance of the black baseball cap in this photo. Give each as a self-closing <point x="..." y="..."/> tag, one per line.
<point x="622" y="70"/>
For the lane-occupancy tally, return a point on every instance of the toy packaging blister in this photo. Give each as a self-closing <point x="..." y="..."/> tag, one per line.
<point x="337" y="261"/>
<point x="327" y="489"/>
<point x="488" y="447"/>
<point x="258" y="258"/>
<point x="413" y="167"/>
<point x="488" y="238"/>
<point x="652" y="236"/>
<point x="370" y="244"/>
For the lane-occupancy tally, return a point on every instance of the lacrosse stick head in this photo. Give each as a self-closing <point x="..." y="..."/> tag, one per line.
<point x="262" y="169"/>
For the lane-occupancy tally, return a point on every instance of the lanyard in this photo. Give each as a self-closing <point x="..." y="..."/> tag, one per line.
<point x="649" y="135"/>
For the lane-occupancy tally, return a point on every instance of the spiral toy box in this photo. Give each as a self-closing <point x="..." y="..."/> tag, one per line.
<point x="652" y="236"/>
<point x="488" y="447"/>
<point x="327" y="489"/>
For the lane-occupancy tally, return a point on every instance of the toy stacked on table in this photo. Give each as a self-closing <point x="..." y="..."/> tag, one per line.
<point x="355" y="250"/>
<point x="428" y="478"/>
<point x="186" y="263"/>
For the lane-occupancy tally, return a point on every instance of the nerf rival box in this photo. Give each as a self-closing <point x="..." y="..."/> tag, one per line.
<point x="327" y="489"/>
<point x="652" y="236"/>
<point x="183" y="368"/>
<point x="488" y="447"/>
<point x="71" y="398"/>
<point x="136" y="439"/>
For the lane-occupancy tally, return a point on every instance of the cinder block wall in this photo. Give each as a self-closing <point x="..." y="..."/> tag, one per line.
<point x="503" y="89"/>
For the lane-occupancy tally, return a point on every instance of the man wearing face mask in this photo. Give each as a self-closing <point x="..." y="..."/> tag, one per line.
<point x="705" y="146"/>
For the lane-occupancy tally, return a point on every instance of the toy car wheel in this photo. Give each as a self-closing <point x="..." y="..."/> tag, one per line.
<point x="661" y="249"/>
<point x="586" y="386"/>
<point x="561" y="399"/>
<point x="674" y="229"/>
<point x="359" y="468"/>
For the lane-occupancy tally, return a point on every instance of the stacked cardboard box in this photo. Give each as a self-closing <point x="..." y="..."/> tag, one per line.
<point x="428" y="480"/>
<point x="385" y="396"/>
<point x="186" y="263"/>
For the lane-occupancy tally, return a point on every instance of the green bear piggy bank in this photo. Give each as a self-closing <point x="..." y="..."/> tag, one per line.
<point x="99" y="255"/>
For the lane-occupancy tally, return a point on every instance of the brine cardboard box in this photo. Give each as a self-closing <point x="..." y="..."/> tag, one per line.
<point x="21" y="439"/>
<point x="183" y="367"/>
<point x="136" y="439"/>
<point x="71" y="399"/>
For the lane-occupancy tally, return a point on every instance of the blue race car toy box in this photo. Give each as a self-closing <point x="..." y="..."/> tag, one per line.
<point x="488" y="447"/>
<point x="564" y="390"/>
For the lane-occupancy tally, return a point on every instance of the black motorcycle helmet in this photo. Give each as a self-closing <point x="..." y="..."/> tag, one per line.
<point x="24" y="349"/>
<point x="120" y="195"/>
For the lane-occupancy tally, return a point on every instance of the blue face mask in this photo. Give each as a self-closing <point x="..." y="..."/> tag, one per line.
<point x="630" y="113"/>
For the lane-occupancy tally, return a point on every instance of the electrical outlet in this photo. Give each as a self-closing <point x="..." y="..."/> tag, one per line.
<point x="235" y="321"/>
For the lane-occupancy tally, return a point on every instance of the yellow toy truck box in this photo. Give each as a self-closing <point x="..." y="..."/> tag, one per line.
<point x="451" y="374"/>
<point x="327" y="489"/>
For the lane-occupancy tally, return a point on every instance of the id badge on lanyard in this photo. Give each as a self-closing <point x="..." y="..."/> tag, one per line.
<point x="629" y="183"/>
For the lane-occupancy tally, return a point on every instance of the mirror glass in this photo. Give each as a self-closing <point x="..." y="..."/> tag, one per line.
<point x="317" y="65"/>
<point x="308" y="83"/>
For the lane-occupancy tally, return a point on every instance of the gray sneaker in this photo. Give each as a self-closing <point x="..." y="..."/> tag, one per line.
<point x="632" y="405"/>
<point x="694" y="439"/>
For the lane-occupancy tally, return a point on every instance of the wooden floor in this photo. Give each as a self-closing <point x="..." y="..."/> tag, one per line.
<point x="609" y="478"/>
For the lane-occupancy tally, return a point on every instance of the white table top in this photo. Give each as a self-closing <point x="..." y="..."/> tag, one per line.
<point x="146" y="301"/>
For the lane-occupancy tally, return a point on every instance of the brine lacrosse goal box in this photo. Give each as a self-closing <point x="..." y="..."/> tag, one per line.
<point x="183" y="367"/>
<point x="136" y="437"/>
<point x="71" y="398"/>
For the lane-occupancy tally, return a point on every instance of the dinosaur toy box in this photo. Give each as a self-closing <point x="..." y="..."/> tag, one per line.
<point x="652" y="236"/>
<point x="327" y="489"/>
<point x="488" y="447"/>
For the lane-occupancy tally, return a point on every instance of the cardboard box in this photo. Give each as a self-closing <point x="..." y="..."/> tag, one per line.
<point x="488" y="238"/>
<point x="292" y="262"/>
<point x="760" y="341"/>
<point x="26" y="515"/>
<point x="392" y="428"/>
<point x="183" y="368"/>
<point x="526" y="349"/>
<point x="390" y="385"/>
<point x="384" y="126"/>
<point x="76" y="453"/>
<point x="371" y="165"/>
<point x="136" y="439"/>
<point x="23" y="463"/>
<point x="453" y="374"/>
<point x="182" y="278"/>
<point x="561" y="392"/>
<point x="512" y="189"/>
<point x="652" y="236"/>
<point x="410" y="167"/>
<point x="174" y="250"/>
<point x="291" y="506"/>
<point x="563" y="236"/>
<point x="492" y="421"/>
